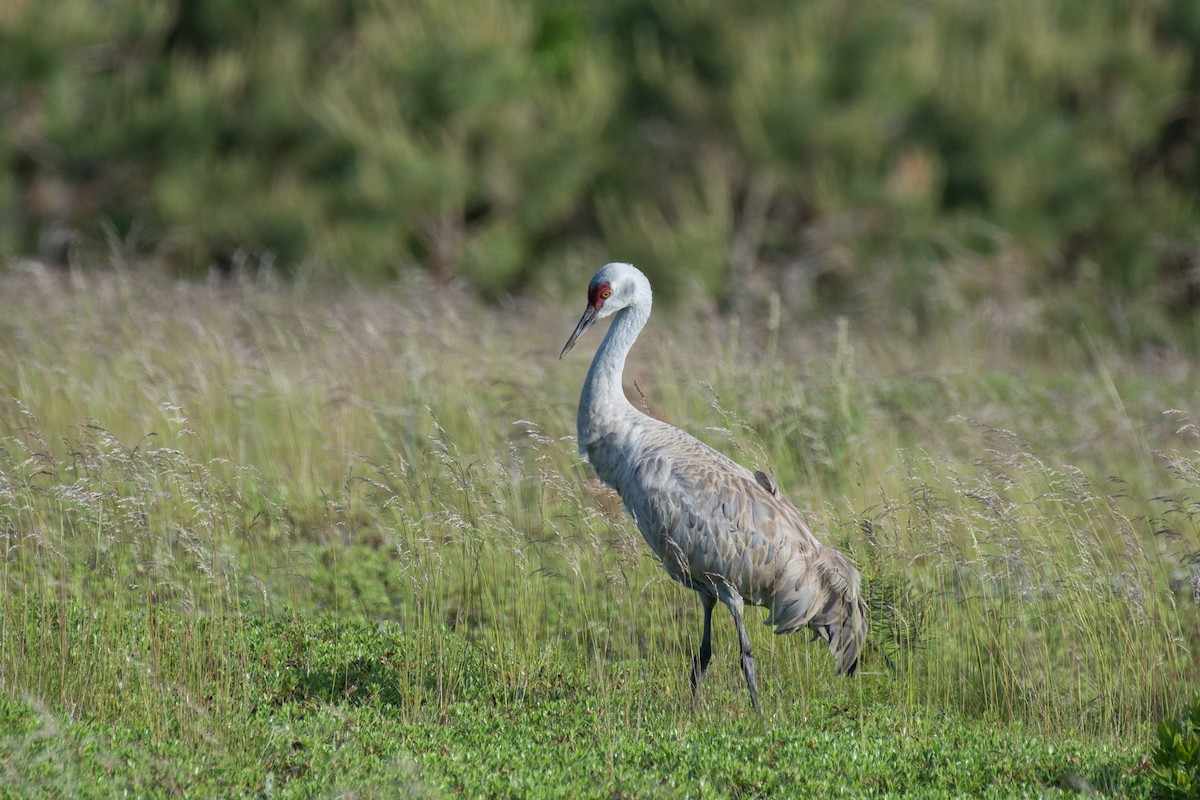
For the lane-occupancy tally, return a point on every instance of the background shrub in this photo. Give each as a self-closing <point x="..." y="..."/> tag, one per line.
<point x="839" y="158"/>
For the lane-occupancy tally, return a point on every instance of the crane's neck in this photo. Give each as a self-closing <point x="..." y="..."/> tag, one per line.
<point x="603" y="404"/>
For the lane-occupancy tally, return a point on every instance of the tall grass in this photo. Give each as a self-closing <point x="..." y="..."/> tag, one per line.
<point x="183" y="466"/>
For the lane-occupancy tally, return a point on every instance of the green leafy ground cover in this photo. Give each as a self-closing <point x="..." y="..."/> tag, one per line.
<point x="262" y="540"/>
<point x="330" y="712"/>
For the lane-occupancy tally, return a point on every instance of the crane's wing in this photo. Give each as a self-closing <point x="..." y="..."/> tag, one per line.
<point x="715" y="524"/>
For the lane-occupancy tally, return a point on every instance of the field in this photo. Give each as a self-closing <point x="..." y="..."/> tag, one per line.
<point x="276" y="540"/>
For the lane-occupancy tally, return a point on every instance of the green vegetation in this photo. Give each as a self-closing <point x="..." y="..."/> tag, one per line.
<point x="260" y="540"/>
<point x="840" y="156"/>
<point x="1177" y="759"/>
<point x="278" y="534"/>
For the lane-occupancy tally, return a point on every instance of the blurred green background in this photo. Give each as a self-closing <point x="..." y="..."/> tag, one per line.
<point x="899" y="161"/>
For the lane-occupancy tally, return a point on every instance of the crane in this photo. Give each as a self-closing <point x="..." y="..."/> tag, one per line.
<point x="716" y="527"/>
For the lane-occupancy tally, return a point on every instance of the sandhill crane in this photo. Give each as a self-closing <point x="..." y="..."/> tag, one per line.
<point x="719" y="529"/>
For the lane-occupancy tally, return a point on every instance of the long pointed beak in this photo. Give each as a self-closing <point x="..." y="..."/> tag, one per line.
<point x="585" y="322"/>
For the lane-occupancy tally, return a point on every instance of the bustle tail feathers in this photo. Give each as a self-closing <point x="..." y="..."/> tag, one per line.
<point x="823" y="593"/>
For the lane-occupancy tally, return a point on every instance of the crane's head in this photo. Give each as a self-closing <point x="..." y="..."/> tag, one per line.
<point x="613" y="287"/>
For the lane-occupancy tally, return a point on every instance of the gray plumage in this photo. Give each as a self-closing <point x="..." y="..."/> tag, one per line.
<point x="719" y="529"/>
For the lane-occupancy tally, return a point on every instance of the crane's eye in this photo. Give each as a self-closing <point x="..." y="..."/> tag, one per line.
<point x="598" y="294"/>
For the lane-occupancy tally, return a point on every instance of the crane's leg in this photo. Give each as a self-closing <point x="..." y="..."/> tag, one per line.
<point x="736" y="604"/>
<point x="701" y="661"/>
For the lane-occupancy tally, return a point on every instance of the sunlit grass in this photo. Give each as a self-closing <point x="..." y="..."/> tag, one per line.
<point x="218" y="501"/>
